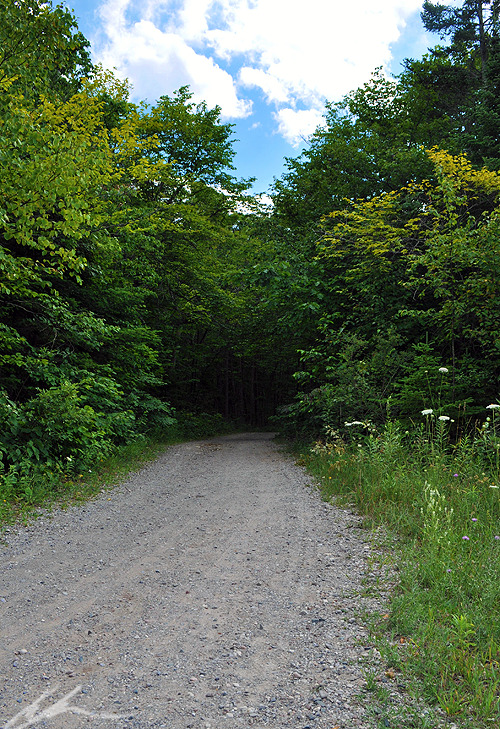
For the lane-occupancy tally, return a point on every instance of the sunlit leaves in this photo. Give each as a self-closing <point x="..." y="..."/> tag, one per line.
<point x="41" y="49"/>
<point x="415" y="267"/>
<point x="54" y="158"/>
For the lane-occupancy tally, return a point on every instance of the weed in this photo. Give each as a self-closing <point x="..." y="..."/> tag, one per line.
<point x="440" y="497"/>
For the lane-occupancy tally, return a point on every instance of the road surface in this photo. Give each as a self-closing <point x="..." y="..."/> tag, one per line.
<point x="211" y="589"/>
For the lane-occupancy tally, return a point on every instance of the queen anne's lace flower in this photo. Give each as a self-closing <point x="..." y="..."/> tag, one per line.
<point x="429" y="411"/>
<point x="444" y="417"/>
<point x="493" y="406"/>
<point x="444" y="370"/>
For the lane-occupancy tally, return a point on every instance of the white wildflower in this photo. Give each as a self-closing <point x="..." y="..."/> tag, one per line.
<point x="493" y="406"/>
<point x="429" y="411"/>
<point x="444" y="370"/>
<point x="444" y="417"/>
<point x="354" y="422"/>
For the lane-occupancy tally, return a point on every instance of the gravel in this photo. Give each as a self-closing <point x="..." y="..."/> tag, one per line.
<point x="211" y="589"/>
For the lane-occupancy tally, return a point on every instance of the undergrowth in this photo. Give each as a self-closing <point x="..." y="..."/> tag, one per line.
<point x="441" y="500"/>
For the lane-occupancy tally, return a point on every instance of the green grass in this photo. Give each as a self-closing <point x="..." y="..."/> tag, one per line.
<point x="441" y="504"/>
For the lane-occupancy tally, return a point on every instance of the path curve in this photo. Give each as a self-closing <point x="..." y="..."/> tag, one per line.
<point x="211" y="589"/>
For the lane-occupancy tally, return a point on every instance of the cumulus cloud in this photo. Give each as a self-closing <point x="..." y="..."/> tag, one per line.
<point x="296" y="54"/>
<point x="157" y="61"/>
<point x="274" y="89"/>
<point x="296" y="125"/>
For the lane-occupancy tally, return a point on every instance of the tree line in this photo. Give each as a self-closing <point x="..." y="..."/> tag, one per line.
<point x="140" y="278"/>
<point x="395" y="201"/>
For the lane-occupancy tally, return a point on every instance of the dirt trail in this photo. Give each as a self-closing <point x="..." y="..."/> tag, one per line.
<point x="212" y="589"/>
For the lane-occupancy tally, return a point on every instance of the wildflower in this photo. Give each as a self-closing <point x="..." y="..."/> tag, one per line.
<point x="492" y="486"/>
<point x="455" y="475"/>
<point x="354" y="422"/>
<point x="474" y="518"/>
<point x="429" y="411"/>
<point x="466" y="538"/>
<point x="444" y="370"/>
<point x="448" y="570"/>
<point x="493" y="406"/>
<point x="444" y="418"/>
<point x="497" y="537"/>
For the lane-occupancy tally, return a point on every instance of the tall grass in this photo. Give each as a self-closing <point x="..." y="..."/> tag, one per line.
<point x="442" y="499"/>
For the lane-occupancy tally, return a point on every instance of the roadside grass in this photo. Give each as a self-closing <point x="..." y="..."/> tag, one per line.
<point x="441" y="501"/>
<point x="25" y="492"/>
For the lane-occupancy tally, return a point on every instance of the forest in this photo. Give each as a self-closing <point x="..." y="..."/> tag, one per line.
<point x="140" y="279"/>
<point x="144" y="288"/>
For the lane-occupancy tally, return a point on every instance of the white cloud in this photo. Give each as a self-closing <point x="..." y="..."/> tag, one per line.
<point x="274" y="89"/>
<point x="297" y="54"/>
<point x="157" y="62"/>
<point x="296" y="125"/>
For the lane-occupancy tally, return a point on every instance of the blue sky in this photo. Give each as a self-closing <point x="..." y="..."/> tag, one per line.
<point x="269" y="64"/>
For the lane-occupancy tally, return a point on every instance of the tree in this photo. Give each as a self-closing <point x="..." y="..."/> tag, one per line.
<point x="371" y="142"/>
<point x="192" y="139"/>
<point x="41" y="49"/>
<point x="410" y="285"/>
<point x="470" y="27"/>
<point x="64" y="365"/>
<point x="463" y="75"/>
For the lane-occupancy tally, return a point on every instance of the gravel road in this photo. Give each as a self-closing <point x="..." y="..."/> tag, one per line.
<point x="212" y="589"/>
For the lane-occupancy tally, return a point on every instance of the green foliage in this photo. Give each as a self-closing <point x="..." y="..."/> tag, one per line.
<point x="124" y="252"/>
<point x="460" y="79"/>
<point x="409" y="287"/>
<point x="471" y="27"/>
<point x="54" y="433"/>
<point x="41" y="49"/>
<point x="482" y="141"/>
<point x="191" y="140"/>
<point x="370" y="143"/>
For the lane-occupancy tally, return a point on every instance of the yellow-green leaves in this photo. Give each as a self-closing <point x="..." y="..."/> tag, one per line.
<point x="55" y="160"/>
<point x="421" y="262"/>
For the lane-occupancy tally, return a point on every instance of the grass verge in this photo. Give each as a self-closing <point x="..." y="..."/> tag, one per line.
<point x="441" y="502"/>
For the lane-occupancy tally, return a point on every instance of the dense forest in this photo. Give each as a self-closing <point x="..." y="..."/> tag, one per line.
<point x="141" y="280"/>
